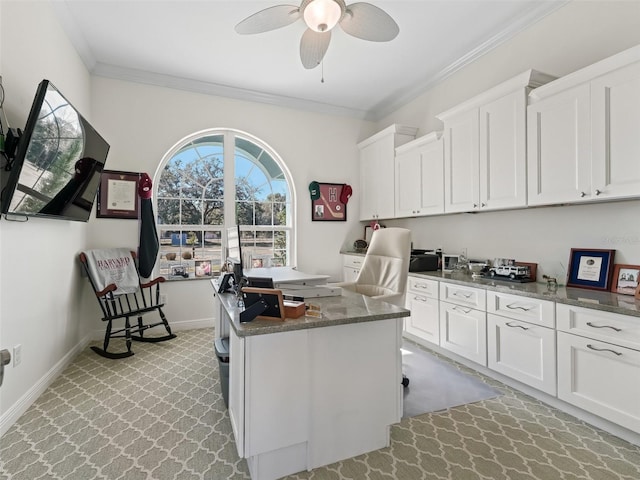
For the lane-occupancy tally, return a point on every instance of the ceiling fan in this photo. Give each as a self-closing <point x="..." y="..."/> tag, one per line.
<point x="362" y="20"/>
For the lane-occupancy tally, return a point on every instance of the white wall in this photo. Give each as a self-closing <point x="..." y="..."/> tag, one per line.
<point x="38" y="274"/>
<point x="147" y="121"/>
<point x="577" y="35"/>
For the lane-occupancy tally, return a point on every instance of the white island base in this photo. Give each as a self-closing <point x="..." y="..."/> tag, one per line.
<point x="305" y="398"/>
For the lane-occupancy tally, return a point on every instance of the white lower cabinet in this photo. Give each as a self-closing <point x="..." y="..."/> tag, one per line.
<point x="422" y="300"/>
<point x="599" y="363"/>
<point x="521" y="339"/>
<point x="463" y="329"/>
<point x="600" y="378"/>
<point x="522" y="351"/>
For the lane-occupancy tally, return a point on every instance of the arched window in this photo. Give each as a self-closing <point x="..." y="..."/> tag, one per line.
<point x="211" y="181"/>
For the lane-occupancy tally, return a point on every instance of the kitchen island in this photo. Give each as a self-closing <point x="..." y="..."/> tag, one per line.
<point x="310" y="391"/>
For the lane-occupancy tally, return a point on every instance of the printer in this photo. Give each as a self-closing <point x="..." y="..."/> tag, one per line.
<point x="424" y="261"/>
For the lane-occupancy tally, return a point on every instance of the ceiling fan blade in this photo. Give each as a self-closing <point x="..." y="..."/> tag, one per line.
<point x="269" y="19"/>
<point x="368" y="22"/>
<point x="313" y="46"/>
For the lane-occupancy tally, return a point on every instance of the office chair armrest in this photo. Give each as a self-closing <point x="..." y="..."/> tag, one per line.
<point x="393" y="298"/>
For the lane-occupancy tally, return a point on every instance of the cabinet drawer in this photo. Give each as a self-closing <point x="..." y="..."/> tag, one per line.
<point x="600" y="378"/>
<point x="461" y="295"/>
<point x="352" y="261"/>
<point x="421" y="286"/>
<point x="533" y="310"/>
<point x="605" y="326"/>
<point x="523" y="351"/>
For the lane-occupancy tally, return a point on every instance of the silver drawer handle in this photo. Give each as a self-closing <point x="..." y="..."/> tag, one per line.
<point x="461" y="294"/>
<point x="519" y="308"/>
<point x="516" y="326"/>
<point x="419" y="297"/>
<point x="422" y="286"/>
<point x="603" y="350"/>
<point x="604" y="326"/>
<point x="460" y="308"/>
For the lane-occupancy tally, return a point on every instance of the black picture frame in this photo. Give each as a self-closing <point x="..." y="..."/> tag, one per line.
<point x="590" y="268"/>
<point x="271" y="296"/>
<point x="328" y="207"/>
<point x="118" y="195"/>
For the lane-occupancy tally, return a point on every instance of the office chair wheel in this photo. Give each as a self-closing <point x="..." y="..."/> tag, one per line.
<point x="405" y="381"/>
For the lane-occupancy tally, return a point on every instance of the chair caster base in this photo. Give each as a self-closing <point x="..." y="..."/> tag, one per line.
<point x="405" y="381"/>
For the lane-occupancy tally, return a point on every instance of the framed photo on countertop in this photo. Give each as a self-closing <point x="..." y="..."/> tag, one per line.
<point x="590" y="268"/>
<point x="625" y="279"/>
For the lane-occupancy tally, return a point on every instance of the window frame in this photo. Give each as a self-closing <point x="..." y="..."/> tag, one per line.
<point x="229" y="196"/>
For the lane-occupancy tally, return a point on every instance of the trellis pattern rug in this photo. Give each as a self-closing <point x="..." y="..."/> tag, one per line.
<point x="160" y="415"/>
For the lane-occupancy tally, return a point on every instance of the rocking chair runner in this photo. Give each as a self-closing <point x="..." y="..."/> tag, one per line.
<point x="114" y="277"/>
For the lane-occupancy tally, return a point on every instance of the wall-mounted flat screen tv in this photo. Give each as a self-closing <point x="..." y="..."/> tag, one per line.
<point x="59" y="157"/>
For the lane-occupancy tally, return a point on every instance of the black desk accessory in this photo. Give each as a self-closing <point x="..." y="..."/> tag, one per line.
<point x="251" y="312"/>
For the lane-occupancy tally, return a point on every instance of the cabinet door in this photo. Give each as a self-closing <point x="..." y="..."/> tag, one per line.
<point x="408" y="183"/>
<point x="377" y="179"/>
<point x="463" y="331"/>
<point x="349" y="274"/>
<point x="419" y="180"/>
<point x="503" y="155"/>
<point x="424" y="321"/>
<point x="615" y="116"/>
<point x="461" y="167"/>
<point x="370" y="161"/>
<point x="522" y="351"/>
<point x="558" y="143"/>
<point x="600" y="378"/>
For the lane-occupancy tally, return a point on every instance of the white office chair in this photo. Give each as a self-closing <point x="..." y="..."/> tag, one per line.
<point x="385" y="269"/>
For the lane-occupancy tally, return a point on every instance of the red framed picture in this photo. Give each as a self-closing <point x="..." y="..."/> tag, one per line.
<point x="328" y="207"/>
<point x="118" y="195"/>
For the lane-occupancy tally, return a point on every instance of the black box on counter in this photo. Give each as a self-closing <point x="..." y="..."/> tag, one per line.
<point x="424" y="262"/>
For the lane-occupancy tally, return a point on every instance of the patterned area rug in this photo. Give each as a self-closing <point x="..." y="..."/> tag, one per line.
<point x="160" y="415"/>
<point x="436" y="385"/>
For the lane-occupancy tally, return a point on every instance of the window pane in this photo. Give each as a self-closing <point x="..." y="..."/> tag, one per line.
<point x="191" y="214"/>
<point x="213" y="213"/>
<point x="169" y="212"/>
<point x="244" y="213"/>
<point x="264" y="213"/>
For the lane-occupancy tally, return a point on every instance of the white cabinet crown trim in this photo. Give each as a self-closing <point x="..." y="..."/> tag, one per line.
<point x="586" y="74"/>
<point x="390" y="130"/>
<point x="529" y="78"/>
<point x="418" y="142"/>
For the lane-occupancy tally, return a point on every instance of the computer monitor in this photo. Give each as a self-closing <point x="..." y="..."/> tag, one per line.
<point x="234" y="253"/>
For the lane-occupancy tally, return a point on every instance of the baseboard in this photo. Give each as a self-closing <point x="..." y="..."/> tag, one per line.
<point x="14" y="412"/>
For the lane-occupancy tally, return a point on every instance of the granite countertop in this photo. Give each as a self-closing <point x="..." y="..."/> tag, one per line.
<point x="348" y="308"/>
<point x="595" y="299"/>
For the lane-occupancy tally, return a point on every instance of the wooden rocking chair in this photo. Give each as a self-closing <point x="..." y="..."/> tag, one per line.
<point x="114" y="277"/>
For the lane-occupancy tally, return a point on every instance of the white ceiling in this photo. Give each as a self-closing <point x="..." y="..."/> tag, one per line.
<point x="192" y="45"/>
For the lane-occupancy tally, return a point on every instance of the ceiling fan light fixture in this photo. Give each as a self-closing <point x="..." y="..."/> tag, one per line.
<point x="322" y="15"/>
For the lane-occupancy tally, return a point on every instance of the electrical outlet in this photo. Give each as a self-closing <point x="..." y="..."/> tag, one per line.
<point x="17" y="355"/>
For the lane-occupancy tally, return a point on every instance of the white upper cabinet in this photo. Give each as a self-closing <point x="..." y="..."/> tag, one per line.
<point x="583" y="142"/>
<point x="377" y="171"/>
<point x="419" y="171"/>
<point x="485" y="166"/>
